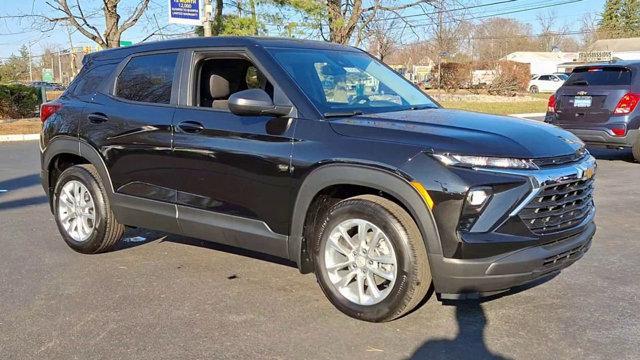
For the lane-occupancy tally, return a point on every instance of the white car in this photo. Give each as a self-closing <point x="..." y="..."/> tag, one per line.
<point x="546" y="82"/>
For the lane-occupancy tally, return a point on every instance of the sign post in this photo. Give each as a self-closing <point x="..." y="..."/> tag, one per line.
<point x="185" y="12"/>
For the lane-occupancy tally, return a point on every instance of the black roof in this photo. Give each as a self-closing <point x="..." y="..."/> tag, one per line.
<point x="217" y="41"/>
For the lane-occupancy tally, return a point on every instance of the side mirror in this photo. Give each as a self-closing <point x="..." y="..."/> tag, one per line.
<point x="255" y="102"/>
<point x="556" y="79"/>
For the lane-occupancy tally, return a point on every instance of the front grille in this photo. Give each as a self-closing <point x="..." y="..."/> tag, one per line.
<point x="559" y="207"/>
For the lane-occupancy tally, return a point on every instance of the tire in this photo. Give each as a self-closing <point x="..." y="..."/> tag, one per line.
<point x="80" y="232"/>
<point x="636" y="151"/>
<point x="412" y="275"/>
<point x="534" y="89"/>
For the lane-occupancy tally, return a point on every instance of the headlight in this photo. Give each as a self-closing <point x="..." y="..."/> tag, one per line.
<point x="485" y="161"/>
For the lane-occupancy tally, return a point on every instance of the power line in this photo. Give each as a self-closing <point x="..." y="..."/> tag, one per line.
<point x="539" y="7"/>
<point x="446" y="10"/>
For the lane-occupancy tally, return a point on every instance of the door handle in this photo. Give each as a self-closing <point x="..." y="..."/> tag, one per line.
<point x="97" y="118"/>
<point x="191" y="126"/>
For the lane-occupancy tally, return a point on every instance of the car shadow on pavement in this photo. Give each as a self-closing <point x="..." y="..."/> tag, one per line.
<point x="229" y="249"/>
<point x="10" y="185"/>
<point x="20" y="182"/>
<point x="14" y="204"/>
<point x="134" y="237"/>
<point x="468" y="343"/>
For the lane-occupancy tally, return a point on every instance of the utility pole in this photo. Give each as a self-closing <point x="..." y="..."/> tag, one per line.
<point x="72" y="54"/>
<point x="439" y="41"/>
<point x="208" y="10"/>
<point x="59" y="68"/>
<point x="30" y="65"/>
<point x="254" y="16"/>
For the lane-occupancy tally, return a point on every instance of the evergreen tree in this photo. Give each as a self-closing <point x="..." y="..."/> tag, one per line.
<point x="630" y="16"/>
<point x="620" y="18"/>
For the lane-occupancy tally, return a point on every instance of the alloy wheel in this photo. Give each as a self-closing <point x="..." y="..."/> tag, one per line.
<point x="360" y="261"/>
<point x="76" y="211"/>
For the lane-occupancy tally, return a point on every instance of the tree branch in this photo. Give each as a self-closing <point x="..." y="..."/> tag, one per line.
<point x="133" y="19"/>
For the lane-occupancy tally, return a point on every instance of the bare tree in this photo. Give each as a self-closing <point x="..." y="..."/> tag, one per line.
<point x="382" y="37"/>
<point x="344" y="18"/>
<point x="589" y="29"/>
<point x="497" y="37"/>
<point x="83" y="19"/>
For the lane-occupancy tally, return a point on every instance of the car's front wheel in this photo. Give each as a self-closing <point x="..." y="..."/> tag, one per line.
<point x="370" y="259"/>
<point x="82" y="212"/>
<point x="534" y="89"/>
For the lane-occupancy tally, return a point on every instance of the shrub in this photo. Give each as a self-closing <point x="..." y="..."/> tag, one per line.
<point x="455" y="76"/>
<point x="18" y="101"/>
<point x="513" y="77"/>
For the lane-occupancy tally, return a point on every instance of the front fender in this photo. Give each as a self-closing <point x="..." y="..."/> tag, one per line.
<point x="389" y="182"/>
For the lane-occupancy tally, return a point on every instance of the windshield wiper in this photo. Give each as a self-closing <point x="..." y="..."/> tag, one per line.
<point x="331" y="114"/>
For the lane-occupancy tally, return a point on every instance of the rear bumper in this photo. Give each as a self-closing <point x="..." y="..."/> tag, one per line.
<point x="601" y="137"/>
<point x="460" y="278"/>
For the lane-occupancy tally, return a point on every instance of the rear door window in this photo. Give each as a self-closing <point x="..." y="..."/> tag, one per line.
<point x="148" y="78"/>
<point x="594" y="76"/>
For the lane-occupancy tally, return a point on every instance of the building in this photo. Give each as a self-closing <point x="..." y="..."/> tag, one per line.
<point x="623" y="49"/>
<point x="605" y="50"/>
<point x="542" y="62"/>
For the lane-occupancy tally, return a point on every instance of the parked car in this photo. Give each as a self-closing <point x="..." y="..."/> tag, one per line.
<point x="376" y="189"/>
<point x="48" y="86"/>
<point x="545" y="83"/>
<point x="599" y="104"/>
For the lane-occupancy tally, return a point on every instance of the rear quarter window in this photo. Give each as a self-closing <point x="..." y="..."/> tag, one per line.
<point x="594" y="76"/>
<point x="147" y="78"/>
<point x="92" y="80"/>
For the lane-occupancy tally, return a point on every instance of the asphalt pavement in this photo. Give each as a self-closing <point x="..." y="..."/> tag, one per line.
<point x="168" y="297"/>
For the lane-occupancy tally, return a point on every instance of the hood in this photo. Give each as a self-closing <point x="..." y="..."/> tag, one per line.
<point x="462" y="132"/>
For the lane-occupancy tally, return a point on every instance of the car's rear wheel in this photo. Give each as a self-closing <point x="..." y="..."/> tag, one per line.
<point x="636" y="150"/>
<point x="370" y="259"/>
<point x="534" y="89"/>
<point x="82" y="212"/>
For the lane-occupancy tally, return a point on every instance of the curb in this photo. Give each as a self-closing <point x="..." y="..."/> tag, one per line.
<point x="528" y="115"/>
<point x="19" y="137"/>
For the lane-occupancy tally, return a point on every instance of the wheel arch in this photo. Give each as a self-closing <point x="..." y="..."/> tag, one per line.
<point x="65" y="146"/>
<point x="382" y="180"/>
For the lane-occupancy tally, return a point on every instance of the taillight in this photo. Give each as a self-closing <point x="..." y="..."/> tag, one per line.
<point x="48" y="109"/>
<point x="627" y="104"/>
<point x="551" y="105"/>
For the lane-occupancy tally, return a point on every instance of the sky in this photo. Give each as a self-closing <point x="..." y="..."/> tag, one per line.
<point x="14" y="32"/>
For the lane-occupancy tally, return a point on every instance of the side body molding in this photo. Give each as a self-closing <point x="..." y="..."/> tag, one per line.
<point x="380" y="179"/>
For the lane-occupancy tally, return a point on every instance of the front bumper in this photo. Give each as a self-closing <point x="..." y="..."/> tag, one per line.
<point x="462" y="278"/>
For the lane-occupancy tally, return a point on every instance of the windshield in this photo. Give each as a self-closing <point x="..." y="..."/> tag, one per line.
<point x="563" y="76"/>
<point x="348" y="83"/>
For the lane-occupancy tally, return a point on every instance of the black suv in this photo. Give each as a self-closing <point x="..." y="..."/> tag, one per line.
<point x="320" y="154"/>
<point x="599" y="104"/>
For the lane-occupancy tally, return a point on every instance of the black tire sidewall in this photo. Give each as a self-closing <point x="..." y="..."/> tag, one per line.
<point x="82" y="175"/>
<point x="397" y="234"/>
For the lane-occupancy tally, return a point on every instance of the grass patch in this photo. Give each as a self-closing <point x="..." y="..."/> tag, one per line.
<point x="499" y="108"/>
<point x="23" y="126"/>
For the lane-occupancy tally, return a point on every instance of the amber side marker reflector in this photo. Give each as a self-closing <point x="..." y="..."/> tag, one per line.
<point x="423" y="192"/>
